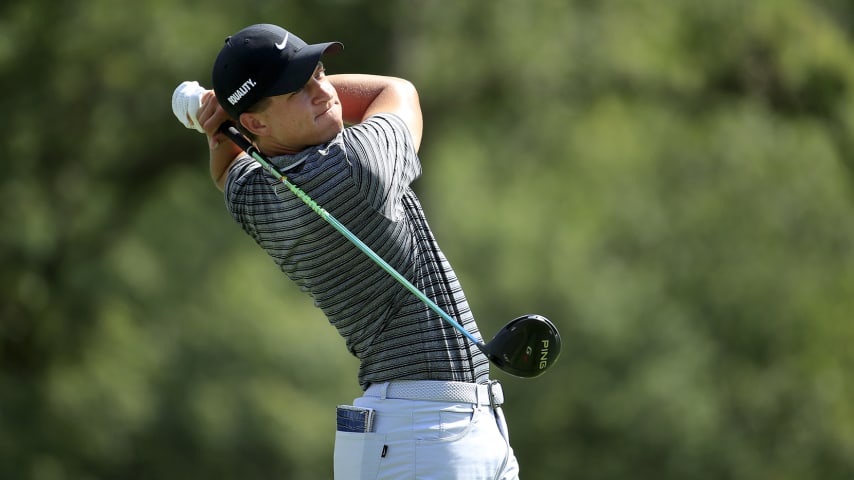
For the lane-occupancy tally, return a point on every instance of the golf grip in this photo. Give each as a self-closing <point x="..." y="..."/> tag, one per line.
<point x="229" y="130"/>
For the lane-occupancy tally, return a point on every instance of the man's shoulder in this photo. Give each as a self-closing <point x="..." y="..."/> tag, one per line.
<point x="379" y="131"/>
<point x="243" y="167"/>
<point x="245" y="171"/>
<point x="385" y="121"/>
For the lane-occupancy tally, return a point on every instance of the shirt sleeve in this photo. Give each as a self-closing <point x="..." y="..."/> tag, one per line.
<point x="239" y="190"/>
<point x="384" y="161"/>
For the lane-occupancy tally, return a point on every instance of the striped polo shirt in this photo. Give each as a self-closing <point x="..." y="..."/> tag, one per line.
<point x="362" y="177"/>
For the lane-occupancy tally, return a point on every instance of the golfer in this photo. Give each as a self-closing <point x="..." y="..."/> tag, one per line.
<point x="429" y="408"/>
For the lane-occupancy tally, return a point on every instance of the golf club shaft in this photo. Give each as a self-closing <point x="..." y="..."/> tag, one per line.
<point x="232" y="133"/>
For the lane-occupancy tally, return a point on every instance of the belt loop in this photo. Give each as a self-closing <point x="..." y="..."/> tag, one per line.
<point x="383" y="390"/>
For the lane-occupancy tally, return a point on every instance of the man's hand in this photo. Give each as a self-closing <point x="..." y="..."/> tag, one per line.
<point x="210" y="117"/>
<point x="186" y="101"/>
<point x="199" y="109"/>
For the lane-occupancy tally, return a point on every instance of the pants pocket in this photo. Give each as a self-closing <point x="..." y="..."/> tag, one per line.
<point x="358" y="455"/>
<point x="454" y="425"/>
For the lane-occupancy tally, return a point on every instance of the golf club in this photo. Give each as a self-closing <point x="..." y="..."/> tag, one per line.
<point x="525" y="347"/>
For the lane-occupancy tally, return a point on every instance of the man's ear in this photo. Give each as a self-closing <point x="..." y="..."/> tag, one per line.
<point x="254" y="123"/>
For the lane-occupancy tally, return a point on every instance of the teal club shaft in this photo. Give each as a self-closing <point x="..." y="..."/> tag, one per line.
<point x="231" y="132"/>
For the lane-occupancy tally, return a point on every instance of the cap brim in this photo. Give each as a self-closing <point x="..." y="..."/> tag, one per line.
<point x="301" y="67"/>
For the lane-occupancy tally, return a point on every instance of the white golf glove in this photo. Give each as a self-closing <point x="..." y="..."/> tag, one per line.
<point x="186" y="101"/>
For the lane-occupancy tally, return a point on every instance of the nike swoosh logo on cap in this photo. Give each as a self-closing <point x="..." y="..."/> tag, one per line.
<point x="281" y="46"/>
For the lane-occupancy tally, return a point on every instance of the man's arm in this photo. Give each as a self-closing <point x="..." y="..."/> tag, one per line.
<point x="361" y="96"/>
<point x="365" y="95"/>
<point x="223" y="151"/>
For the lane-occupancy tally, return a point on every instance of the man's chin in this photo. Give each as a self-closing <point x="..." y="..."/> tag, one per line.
<point x="331" y="124"/>
<point x="330" y="133"/>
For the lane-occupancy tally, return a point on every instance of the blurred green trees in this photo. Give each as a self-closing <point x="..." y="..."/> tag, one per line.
<point x="671" y="182"/>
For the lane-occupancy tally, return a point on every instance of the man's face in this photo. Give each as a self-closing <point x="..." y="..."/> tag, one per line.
<point x="310" y="116"/>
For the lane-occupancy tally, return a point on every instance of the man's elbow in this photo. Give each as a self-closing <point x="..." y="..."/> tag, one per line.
<point x="410" y="108"/>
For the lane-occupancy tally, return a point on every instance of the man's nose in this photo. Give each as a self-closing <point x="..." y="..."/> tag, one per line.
<point x="321" y="91"/>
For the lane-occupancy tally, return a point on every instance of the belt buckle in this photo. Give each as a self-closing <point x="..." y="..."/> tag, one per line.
<point x="492" y="401"/>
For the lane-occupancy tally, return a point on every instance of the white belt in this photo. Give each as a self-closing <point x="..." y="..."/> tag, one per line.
<point x="439" y="391"/>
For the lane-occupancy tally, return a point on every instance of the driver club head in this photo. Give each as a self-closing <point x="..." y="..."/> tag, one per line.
<point x="525" y="347"/>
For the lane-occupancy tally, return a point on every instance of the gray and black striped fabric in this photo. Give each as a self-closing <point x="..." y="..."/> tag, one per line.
<point x="363" y="177"/>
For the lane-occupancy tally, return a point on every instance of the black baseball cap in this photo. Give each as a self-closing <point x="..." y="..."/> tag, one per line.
<point x="263" y="60"/>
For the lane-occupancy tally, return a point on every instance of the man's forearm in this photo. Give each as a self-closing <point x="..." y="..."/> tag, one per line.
<point x="357" y="92"/>
<point x="223" y="154"/>
<point x="364" y="95"/>
<point x="222" y="150"/>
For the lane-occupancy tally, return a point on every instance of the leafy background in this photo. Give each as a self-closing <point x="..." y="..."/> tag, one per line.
<point x="670" y="182"/>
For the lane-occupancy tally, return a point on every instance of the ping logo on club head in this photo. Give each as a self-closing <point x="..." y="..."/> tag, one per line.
<point x="544" y="354"/>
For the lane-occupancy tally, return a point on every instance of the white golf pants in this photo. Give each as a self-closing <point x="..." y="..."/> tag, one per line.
<point x="426" y="439"/>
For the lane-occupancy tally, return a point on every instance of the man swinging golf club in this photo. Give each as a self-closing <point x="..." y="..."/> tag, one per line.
<point x="429" y="408"/>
